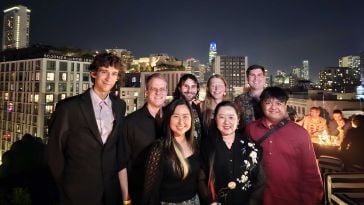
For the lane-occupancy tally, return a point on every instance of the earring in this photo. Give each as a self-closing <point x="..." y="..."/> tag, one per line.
<point x="224" y="94"/>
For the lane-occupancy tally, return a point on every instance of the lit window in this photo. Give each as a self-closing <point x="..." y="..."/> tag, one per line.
<point x="49" y="109"/>
<point x="10" y="107"/>
<point x="63" y="76"/>
<point x="50" y="87"/>
<point x="50" y="76"/>
<point x="84" y="86"/>
<point x="37" y="76"/>
<point x="62" y="96"/>
<point x="49" y="98"/>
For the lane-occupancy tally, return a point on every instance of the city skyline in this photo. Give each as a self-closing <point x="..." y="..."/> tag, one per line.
<point x="277" y="34"/>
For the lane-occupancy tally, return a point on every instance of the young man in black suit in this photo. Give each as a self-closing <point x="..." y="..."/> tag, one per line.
<point x="86" y="148"/>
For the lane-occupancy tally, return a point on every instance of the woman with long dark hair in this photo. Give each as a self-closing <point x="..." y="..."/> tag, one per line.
<point x="232" y="161"/>
<point x="173" y="164"/>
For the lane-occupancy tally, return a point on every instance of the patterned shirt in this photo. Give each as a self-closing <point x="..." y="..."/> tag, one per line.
<point x="250" y="109"/>
<point x="197" y="122"/>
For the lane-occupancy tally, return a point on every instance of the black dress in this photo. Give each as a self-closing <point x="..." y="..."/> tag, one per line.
<point x="162" y="184"/>
<point x="235" y="174"/>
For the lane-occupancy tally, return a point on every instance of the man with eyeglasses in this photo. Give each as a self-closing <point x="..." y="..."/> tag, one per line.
<point x="248" y="102"/>
<point x="141" y="129"/>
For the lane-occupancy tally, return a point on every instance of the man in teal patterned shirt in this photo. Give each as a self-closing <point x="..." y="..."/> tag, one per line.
<point x="248" y="102"/>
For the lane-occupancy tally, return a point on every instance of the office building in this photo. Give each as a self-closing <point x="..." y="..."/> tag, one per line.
<point x="339" y="79"/>
<point x="195" y="67"/>
<point x="232" y="68"/>
<point x="349" y="61"/>
<point x="31" y="83"/>
<point x="16" y="27"/>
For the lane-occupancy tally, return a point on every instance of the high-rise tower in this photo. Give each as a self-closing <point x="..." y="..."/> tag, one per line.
<point x="212" y="52"/>
<point x="16" y="27"/>
<point x="306" y="70"/>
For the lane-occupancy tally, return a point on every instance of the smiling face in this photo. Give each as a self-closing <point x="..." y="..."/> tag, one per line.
<point x="314" y="113"/>
<point x="105" y="78"/>
<point x="180" y="121"/>
<point x="156" y="92"/>
<point x="256" y="79"/>
<point x="217" y="88"/>
<point x="189" y="89"/>
<point x="227" y="120"/>
<point x="274" y="110"/>
<point x="337" y="116"/>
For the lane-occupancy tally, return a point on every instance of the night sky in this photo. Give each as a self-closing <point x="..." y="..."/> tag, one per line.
<point x="275" y="33"/>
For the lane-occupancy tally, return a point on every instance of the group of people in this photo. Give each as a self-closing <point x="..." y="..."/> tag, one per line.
<point x="216" y="151"/>
<point x="315" y="125"/>
<point x="343" y="132"/>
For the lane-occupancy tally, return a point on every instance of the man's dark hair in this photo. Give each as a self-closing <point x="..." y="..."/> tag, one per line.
<point x="105" y="60"/>
<point x="177" y="94"/>
<point x="274" y="92"/>
<point x="358" y="120"/>
<point x="337" y="112"/>
<point x="255" y="66"/>
<point x="315" y="108"/>
<point x="225" y="104"/>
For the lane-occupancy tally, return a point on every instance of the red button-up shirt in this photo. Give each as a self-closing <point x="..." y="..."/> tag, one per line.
<point x="289" y="161"/>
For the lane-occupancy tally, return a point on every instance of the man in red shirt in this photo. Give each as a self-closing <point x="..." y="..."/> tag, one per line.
<point x="289" y="162"/>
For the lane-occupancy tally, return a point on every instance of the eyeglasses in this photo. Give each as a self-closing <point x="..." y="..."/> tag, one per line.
<point x="160" y="90"/>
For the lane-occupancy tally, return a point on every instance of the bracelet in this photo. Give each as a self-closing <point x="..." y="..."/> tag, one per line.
<point x="127" y="202"/>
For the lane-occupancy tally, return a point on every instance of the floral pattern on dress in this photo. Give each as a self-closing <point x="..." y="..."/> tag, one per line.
<point x="250" y="163"/>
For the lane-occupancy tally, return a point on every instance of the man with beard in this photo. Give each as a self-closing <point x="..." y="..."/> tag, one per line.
<point x="188" y="88"/>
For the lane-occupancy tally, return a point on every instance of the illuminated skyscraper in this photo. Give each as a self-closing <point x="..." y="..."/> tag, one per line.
<point x="16" y="27"/>
<point x="305" y="70"/>
<point x="212" y="52"/>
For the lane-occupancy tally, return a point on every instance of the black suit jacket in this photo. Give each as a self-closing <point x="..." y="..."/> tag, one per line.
<point x="85" y="169"/>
